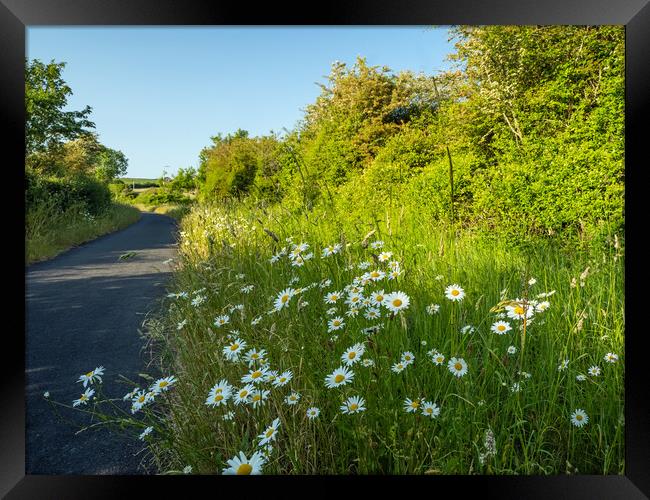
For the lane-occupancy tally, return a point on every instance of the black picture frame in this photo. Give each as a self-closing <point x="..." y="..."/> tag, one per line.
<point x="16" y="15"/>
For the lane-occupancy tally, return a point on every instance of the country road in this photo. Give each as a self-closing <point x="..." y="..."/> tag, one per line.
<point x="83" y="310"/>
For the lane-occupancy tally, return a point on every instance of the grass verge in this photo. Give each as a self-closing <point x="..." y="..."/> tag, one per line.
<point x="512" y="411"/>
<point x="49" y="232"/>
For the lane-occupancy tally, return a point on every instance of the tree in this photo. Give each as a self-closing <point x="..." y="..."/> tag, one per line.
<point x="47" y="126"/>
<point x="110" y="164"/>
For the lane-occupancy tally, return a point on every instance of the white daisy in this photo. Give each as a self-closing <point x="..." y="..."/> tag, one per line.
<point x="247" y="289"/>
<point x="340" y="376"/>
<point x="581" y="377"/>
<point x="384" y="256"/>
<point x="354" y="404"/>
<point x="219" y="394"/>
<point x="255" y="376"/>
<point x="354" y="299"/>
<point x="399" y="367"/>
<point x="412" y="406"/>
<point x="377" y="244"/>
<point x="430" y="409"/>
<point x="283" y="298"/>
<point x="181" y="325"/>
<point x="243" y="395"/>
<point x="520" y="308"/>
<point x="594" y="371"/>
<point x="378" y="298"/>
<point x="253" y="356"/>
<point x="258" y="397"/>
<point x="352" y="312"/>
<point x="244" y="466"/>
<point x="229" y="415"/>
<point x="433" y="308"/>
<point x="232" y="350"/>
<point x="312" y="413"/>
<point x="256" y="320"/>
<point x="512" y="349"/>
<point x="501" y="327"/>
<point x="367" y="362"/>
<point x="467" y="329"/>
<point x="292" y="399"/>
<point x="145" y="433"/>
<point x="372" y="313"/>
<point x="454" y="292"/>
<point x="332" y="297"/>
<point x="457" y="366"/>
<point x="283" y="379"/>
<point x="353" y="354"/>
<point x="377" y="275"/>
<point x="542" y="306"/>
<point x="162" y="384"/>
<point x="84" y="398"/>
<point x="219" y="321"/>
<point x="438" y="358"/>
<point x="408" y="357"/>
<point x="610" y="357"/>
<point x="90" y="377"/>
<point x="269" y="433"/>
<point x="335" y="324"/>
<point x="579" y="418"/>
<point x="187" y="469"/>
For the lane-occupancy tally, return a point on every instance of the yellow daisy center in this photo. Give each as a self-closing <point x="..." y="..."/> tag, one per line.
<point x="257" y="397"/>
<point x="578" y="417"/>
<point x="397" y="302"/>
<point x="339" y="378"/>
<point x="140" y="399"/>
<point x="519" y="310"/>
<point x="440" y="359"/>
<point x="284" y="298"/>
<point x="334" y="297"/>
<point x="379" y="298"/>
<point x="244" y="469"/>
<point x="336" y="322"/>
<point x="218" y="397"/>
<point x="455" y="292"/>
<point x="374" y="274"/>
<point x="243" y="394"/>
<point x="414" y="404"/>
<point x="501" y="328"/>
<point x="352" y="355"/>
<point x="458" y="366"/>
<point x="163" y="383"/>
<point x="234" y="347"/>
<point x="90" y="374"/>
<point x="269" y="433"/>
<point x="429" y="410"/>
<point x="256" y="374"/>
<point x="354" y="407"/>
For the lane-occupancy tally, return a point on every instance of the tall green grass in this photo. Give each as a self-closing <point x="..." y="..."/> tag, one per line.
<point x="49" y="230"/>
<point x="532" y="428"/>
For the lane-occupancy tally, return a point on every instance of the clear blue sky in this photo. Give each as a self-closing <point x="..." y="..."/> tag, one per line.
<point x="159" y="93"/>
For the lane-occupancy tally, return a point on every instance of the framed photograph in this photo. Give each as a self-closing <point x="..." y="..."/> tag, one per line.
<point x="377" y="244"/>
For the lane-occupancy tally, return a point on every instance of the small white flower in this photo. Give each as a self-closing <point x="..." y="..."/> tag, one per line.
<point x="579" y="418"/>
<point x="312" y="413"/>
<point x="145" y="433"/>
<point x="84" y="398"/>
<point x="430" y="409"/>
<point x="610" y="357"/>
<point x="433" y="308"/>
<point x="457" y="366"/>
<point x="594" y="371"/>
<point x="187" y="469"/>
<point x="512" y="349"/>
<point x="219" y="321"/>
<point x="454" y="293"/>
<point x="292" y="399"/>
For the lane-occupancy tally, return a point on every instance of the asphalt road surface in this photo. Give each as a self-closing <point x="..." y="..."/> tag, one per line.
<point x="83" y="310"/>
